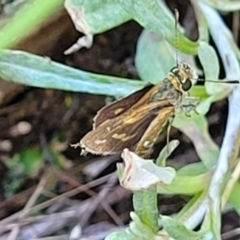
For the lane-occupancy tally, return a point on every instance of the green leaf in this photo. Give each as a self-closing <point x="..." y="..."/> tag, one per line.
<point x="202" y="27"/>
<point x="97" y="16"/>
<point x="192" y="169"/>
<point x="216" y="90"/>
<point x="194" y="211"/>
<point x="209" y="61"/>
<point x="225" y="44"/>
<point x="145" y="206"/>
<point x="154" y="57"/>
<point x="154" y="16"/>
<point x="92" y="17"/>
<point x="178" y="231"/>
<point x="203" y="107"/>
<point x="22" y="164"/>
<point x="223" y="5"/>
<point x="119" y="235"/>
<point x="31" y="159"/>
<point x="212" y="222"/>
<point x="234" y="197"/>
<point x="28" y="69"/>
<point x="140" y="230"/>
<point x="28" y="160"/>
<point x="198" y="91"/>
<point x="166" y="151"/>
<point x="196" y="129"/>
<point x="136" y="230"/>
<point x="27" y="18"/>
<point x="186" y="184"/>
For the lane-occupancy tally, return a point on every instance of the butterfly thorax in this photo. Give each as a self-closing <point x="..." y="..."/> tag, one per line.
<point x="175" y="86"/>
<point x="167" y="92"/>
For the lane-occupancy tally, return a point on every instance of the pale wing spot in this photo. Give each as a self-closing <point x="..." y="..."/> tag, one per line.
<point x="98" y="142"/>
<point x="117" y="111"/>
<point x="131" y="120"/>
<point x="123" y="136"/>
<point x="148" y="144"/>
<point x="108" y="129"/>
<point x="119" y="136"/>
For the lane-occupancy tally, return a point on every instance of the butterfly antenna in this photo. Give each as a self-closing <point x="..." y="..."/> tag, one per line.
<point x="217" y="81"/>
<point x="176" y="13"/>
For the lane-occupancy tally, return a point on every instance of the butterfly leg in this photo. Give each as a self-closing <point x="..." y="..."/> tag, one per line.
<point x="170" y="121"/>
<point x="189" y="104"/>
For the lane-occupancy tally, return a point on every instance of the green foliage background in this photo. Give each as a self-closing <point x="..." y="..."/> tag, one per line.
<point x="204" y="180"/>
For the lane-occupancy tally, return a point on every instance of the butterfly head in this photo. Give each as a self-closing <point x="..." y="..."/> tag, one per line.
<point x="184" y="74"/>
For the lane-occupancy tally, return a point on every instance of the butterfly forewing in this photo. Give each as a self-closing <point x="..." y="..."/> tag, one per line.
<point x="125" y="131"/>
<point x="119" y="107"/>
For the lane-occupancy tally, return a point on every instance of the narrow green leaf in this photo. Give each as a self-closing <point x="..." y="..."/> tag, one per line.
<point x="145" y="206"/>
<point x="178" y="231"/>
<point x="210" y="63"/>
<point x="203" y="107"/>
<point x="234" y="197"/>
<point x="28" y="69"/>
<point x="202" y="26"/>
<point x="198" y="91"/>
<point x="186" y="184"/>
<point x="120" y="235"/>
<point x="213" y="220"/>
<point x="194" y="211"/>
<point x="223" y="5"/>
<point x="26" y="20"/>
<point x="138" y="229"/>
<point x="192" y="169"/>
<point x="166" y="151"/>
<point x="209" y="60"/>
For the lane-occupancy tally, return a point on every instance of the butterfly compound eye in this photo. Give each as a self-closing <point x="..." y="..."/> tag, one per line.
<point x="187" y="85"/>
